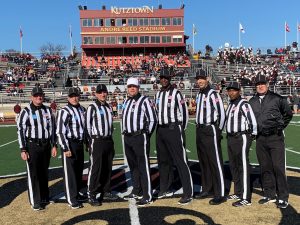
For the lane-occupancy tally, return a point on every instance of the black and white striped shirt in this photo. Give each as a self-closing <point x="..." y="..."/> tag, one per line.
<point x="171" y="107"/>
<point x="36" y="123"/>
<point x="210" y="108"/>
<point x="70" y="124"/>
<point x="240" y="117"/>
<point x="99" y="120"/>
<point x="138" y="114"/>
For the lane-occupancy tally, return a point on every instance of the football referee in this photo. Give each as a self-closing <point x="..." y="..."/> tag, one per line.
<point x="138" y="123"/>
<point x="70" y="133"/>
<point x="241" y="127"/>
<point x="170" y="139"/>
<point x="99" y="129"/>
<point x="36" y="135"/>
<point x="210" y="118"/>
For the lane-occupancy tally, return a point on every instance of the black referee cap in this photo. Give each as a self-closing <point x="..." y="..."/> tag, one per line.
<point x="100" y="88"/>
<point x="37" y="91"/>
<point x="74" y="91"/>
<point x="233" y="85"/>
<point x="260" y="79"/>
<point x="201" y="74"/>
<point x="165" y="72"/>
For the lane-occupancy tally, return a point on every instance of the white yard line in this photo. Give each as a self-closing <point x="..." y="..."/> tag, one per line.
<point x="134" y="213"/>
<point x="288" y="150"/>
<point x="8" y="143"/>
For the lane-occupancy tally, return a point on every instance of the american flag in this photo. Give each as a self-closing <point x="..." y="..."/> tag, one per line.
<point x="287" y="28"/>
<point x="21" y="33"/>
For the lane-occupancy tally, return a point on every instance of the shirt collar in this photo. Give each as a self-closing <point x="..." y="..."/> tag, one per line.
<point x="34" y="108"/>
<point x="205" y="90"/>
<point x="136" y="97"/>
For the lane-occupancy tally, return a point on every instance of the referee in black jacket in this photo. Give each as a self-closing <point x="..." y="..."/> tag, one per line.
<point x="36" y="135"/>
<point x="138" y="123"/>
<point x="170" y="139"/>
<point x="210" y="119"/>
<point x="273" y="114"/>
<point x="99" y="129"/>
<point x="70" y="133"/>
<point x="241" y="127"/>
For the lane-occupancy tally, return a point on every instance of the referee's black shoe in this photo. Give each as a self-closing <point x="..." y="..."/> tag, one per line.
<point x="217" y="200"/>
<point x="76" y="205"/>
<point x="94" y="202"/>
<point x="185" y="200"/>
<point x="81" y="198"/>
<point x="109" y="196"/>
<point x="202" y="195"/>
<point x="37" y="207"/>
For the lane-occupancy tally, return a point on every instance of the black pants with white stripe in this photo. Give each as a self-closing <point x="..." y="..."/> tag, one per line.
<point x="37" y="171"/>
<point x="270" y="152"/>
<point x="208" y="141"/>
<point x="238" y="153"/>
<point x="101" y="157"/>
<point x="137" y="150"/>
<point x="171" y="151"/>
<point x="73" y="168"/>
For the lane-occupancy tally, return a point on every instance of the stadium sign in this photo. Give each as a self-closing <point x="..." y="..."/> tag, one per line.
<point x="144" y="9"/>
<point x="131" y="29"/>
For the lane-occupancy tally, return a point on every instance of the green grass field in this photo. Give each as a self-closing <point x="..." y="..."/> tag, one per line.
<point x="11" y="163"/>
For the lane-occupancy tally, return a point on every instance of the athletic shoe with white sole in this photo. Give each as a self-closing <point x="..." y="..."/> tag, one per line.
<point x="242" y="202"/>
<point x="144" y="202"/>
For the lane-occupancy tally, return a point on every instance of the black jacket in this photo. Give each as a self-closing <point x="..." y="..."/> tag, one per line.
<point x="273" y="113"/>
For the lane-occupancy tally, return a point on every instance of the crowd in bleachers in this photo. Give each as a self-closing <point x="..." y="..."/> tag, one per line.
<point x="151" y="62"/>
<point x="240" y="55"/>
<point x="273" y="73"/>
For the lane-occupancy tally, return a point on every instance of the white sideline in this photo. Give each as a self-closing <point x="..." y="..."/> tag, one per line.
<point x="8" y="143"/>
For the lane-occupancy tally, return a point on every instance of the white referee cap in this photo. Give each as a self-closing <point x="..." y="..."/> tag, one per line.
<point x="133" y="81"/>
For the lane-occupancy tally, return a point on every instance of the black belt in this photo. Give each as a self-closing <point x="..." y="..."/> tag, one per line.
<point x="236" y="134"/>
<point x="198" y="125"/>
<point x="270" y="132"/>
<point x="136" y="133"/>
<point x="75" y="140"/>
<point x="102" y="137"/>
<point x="38" y="140"/>
<point x="169" y="125"/>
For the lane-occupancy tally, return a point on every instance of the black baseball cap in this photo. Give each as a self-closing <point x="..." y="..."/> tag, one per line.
<point x="74" y="91"/>
<point x="100" y="88"/>
<point x="201" y="74"/>
<point x="165" y="72"/>
<point x="37" y="91"/>
<point x="260" y="79"/>
<point x="233" y="85"/>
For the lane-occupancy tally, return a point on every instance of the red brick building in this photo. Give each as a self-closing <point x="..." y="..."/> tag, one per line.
<point x="131" y="31"/>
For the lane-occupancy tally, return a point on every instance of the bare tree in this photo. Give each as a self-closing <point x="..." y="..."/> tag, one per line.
<point x="51" y="49"/>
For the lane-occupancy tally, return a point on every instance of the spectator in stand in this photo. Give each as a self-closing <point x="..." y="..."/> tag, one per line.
<point x="296" y="103"/>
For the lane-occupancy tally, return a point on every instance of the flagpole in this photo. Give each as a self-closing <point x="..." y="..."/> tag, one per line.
<point x="297" y="34"/>
<point x="193" y="31"/>
<point x="71" y="41"/>
<point x="285" y="35"/>
<point x="21" y="40"/>
<point x="239" y="36"/>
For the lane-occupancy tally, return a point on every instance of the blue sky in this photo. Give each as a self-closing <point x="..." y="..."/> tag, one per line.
<point x="217" y="21"/>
